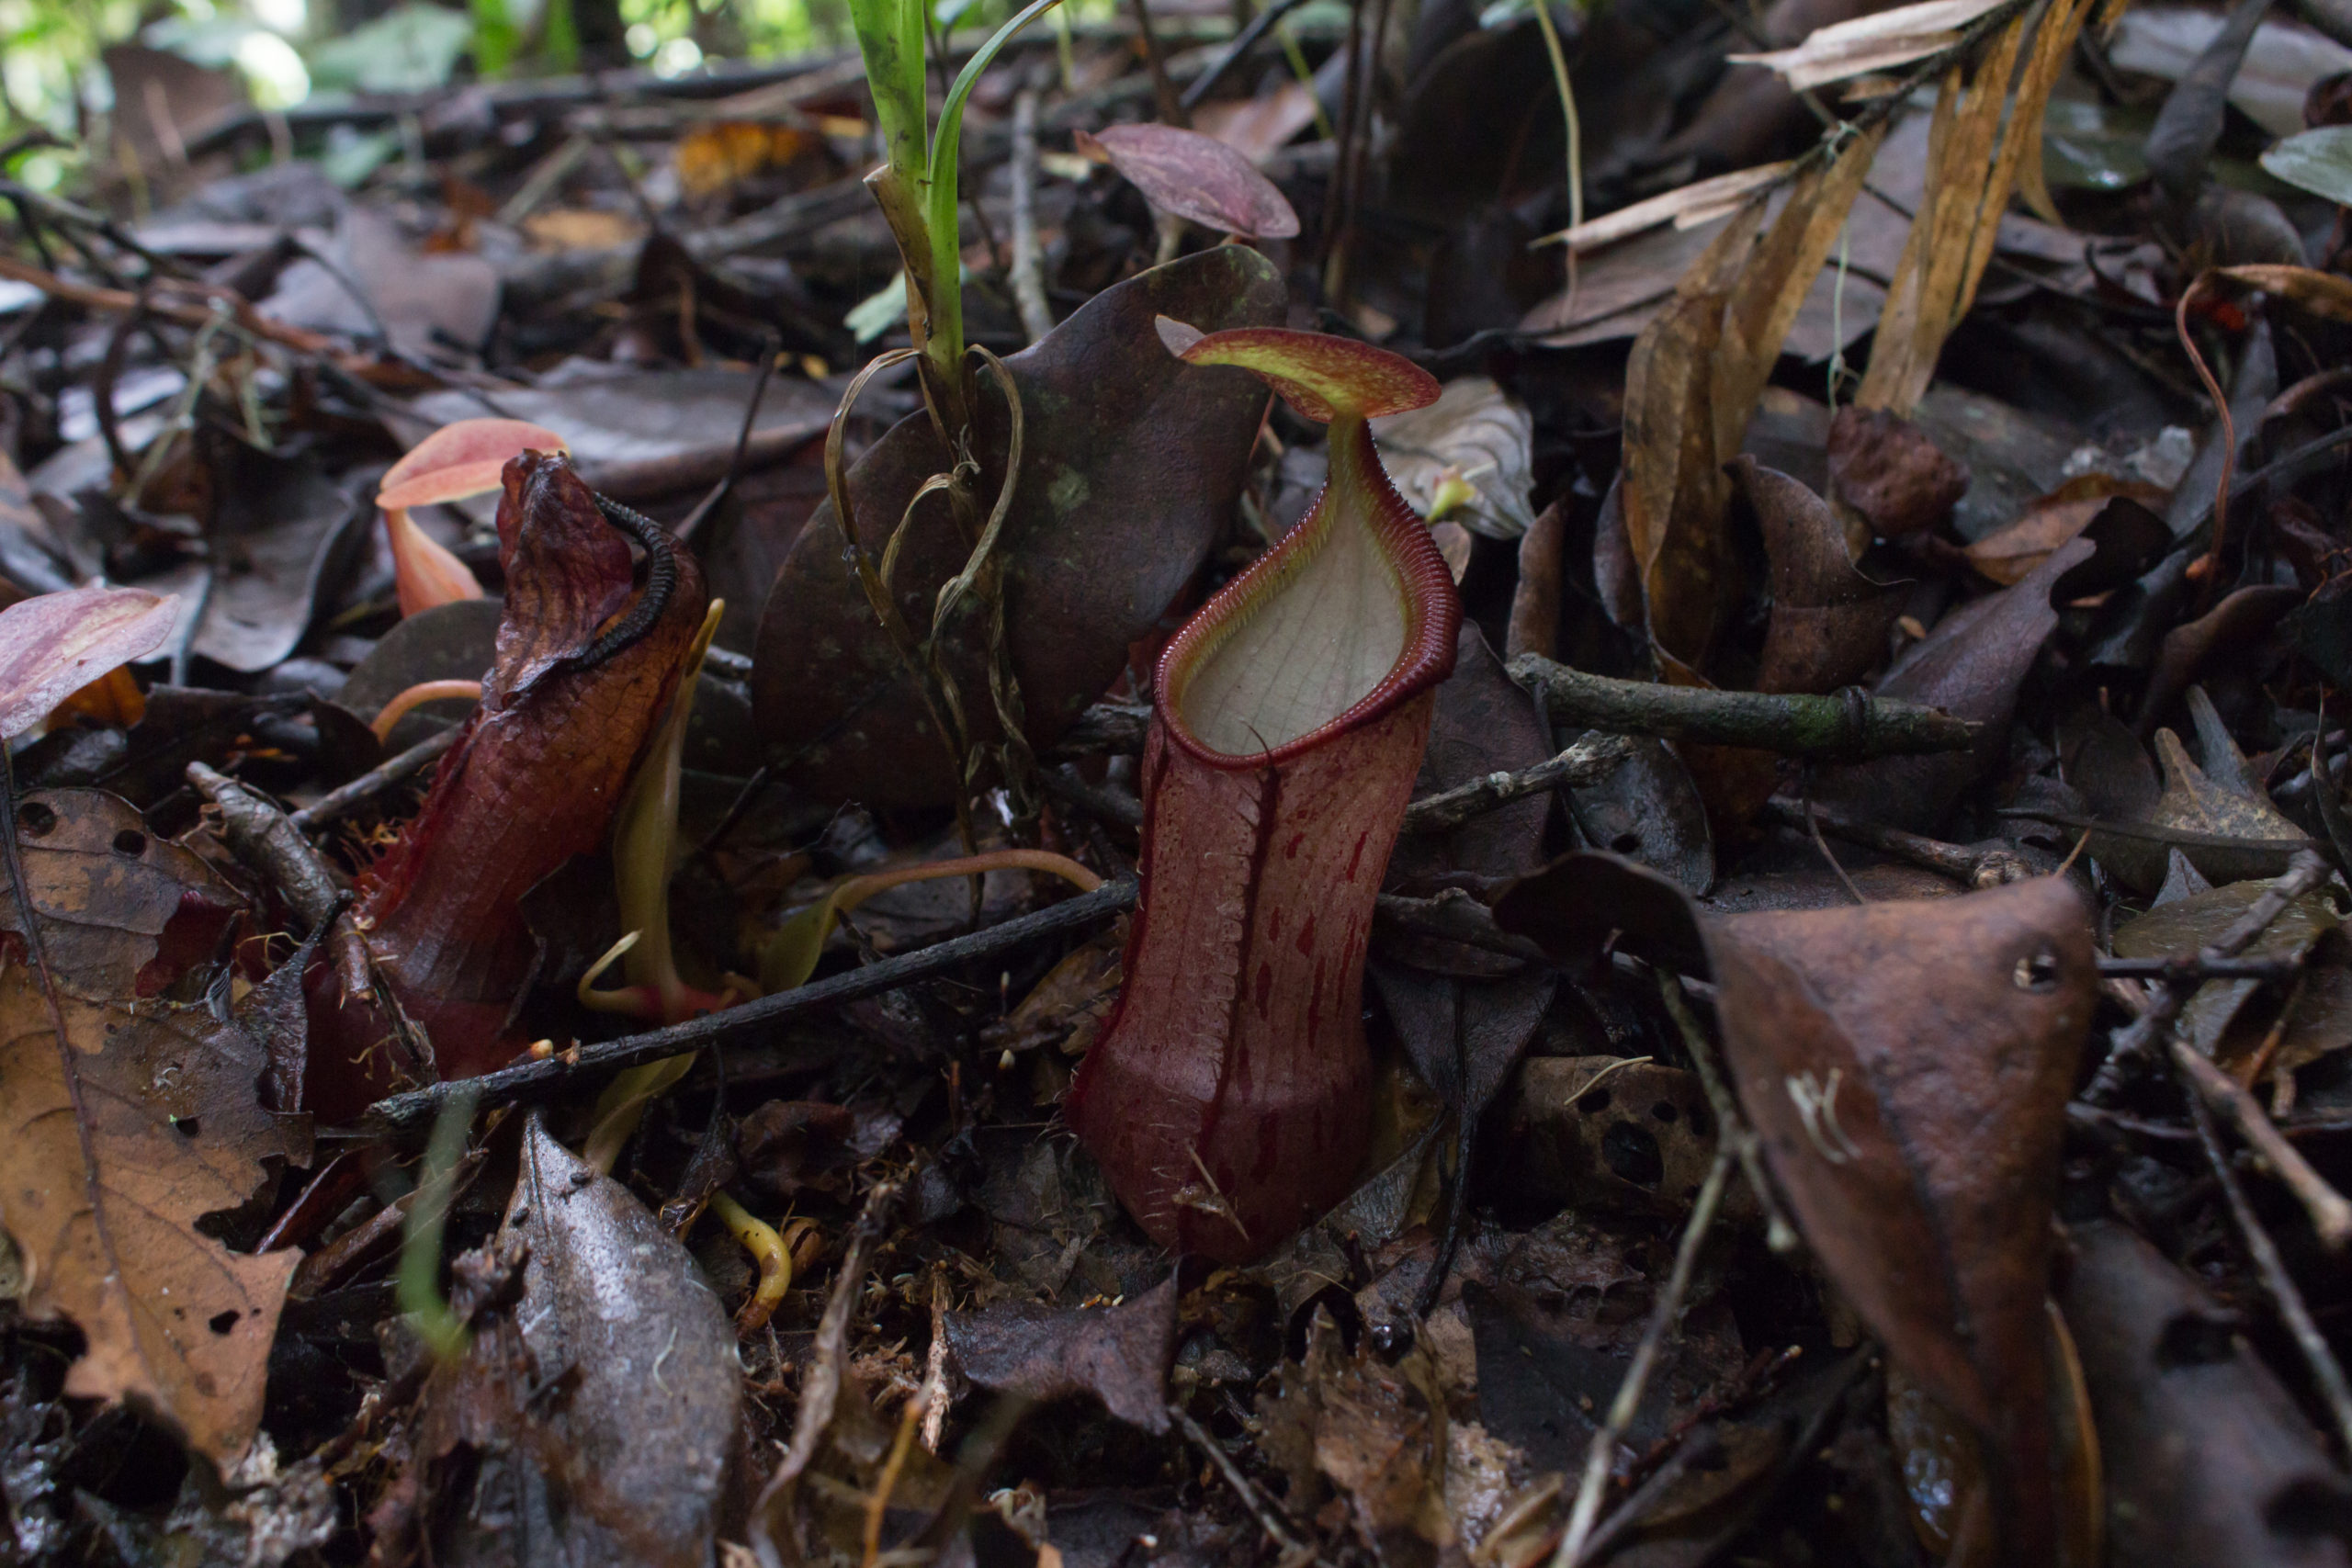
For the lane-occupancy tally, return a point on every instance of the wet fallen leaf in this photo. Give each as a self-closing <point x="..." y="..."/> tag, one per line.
<point x="1829" y="622"/>
<point x="647" y="432"/>
<point x="1971" y="666"/>
<point x="1608" y="1132"/>
<point x="1650" y="809"/>
<point x="595" y="1417"/>
<point x="1887" y="469"/>
<point x="2007" y="555"/>
<point x="1372" y="1430"/>
<point x="2189" y="924"/>
<point x="1118" y="1354"/>
<point x="54" y="644"/>
<point x="124" y="1122"/>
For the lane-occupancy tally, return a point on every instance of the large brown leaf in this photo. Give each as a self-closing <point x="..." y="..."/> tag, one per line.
<point x="595" y="1417"/>
<point x="122" y="1123"/>
<point x="1131" y="461"/>
<point x="1907" y="1065"/>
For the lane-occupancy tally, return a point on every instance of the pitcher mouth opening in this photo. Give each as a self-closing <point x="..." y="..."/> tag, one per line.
<point x="1349" y="616"/>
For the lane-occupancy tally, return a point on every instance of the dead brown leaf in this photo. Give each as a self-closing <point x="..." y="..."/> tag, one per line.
<point x="1829" y="622"/>
<point x="1195" y="177"/>
<point x="124" y="1122"/>
<point x="1117" y="1354"/>
<point x="1889" y="471"/>
<point x="1908" y="1067"/>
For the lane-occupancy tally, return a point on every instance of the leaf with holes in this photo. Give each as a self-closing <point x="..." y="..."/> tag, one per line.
<point x="125" y="1119"/>
<point x="1908" y="1065"/>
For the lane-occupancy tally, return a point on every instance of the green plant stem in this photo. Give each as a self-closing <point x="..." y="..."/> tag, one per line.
<point x="419" y="1284"/>
<point x="1567" y="112"/>
<point x="944" y="346"/>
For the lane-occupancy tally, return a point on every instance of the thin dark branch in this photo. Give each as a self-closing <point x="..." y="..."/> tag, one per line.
<point x="2129" y="1056"/>
<point x="2325" y="1371"/>
<point x="1587" y="762"/>
<point x="405" y="1115"/>
<point x="385" y="775"/>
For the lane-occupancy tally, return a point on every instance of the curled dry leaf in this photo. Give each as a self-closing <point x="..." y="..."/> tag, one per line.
<point x="1687" y="206"/>
<point x="1907" y="1066"/>
<point x="123" y="1123"/>
<point x="2209" y="1462"/>
<point x="1889" y="471"/>
<point x="595" y="1416"/>
<point x="1376" y="1432"/>
<point x="1117" y="1354"/>
<point x="53" y="645"/>
<point x="1467" y="456"/>
<point x="1195" y="177"/>
<point x="1829" y="622"/>
<point x="1131" y="462"/>
<point x="2007" y="555"/>
<point x="534" y="781"/>
<point x="1989" y="128"/>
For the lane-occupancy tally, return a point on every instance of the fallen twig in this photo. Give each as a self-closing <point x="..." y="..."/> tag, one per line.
<point x="1833" y="727"/>
<point x="1731" y="1127"/>
<point x="1268" y="1517"/>
<point x="268" y="840"/>
<point x="2190" y="970"/>
<point x="402" y="1115"/>
<point x="2331" y="1215"/>
<point x="2324" y="1370"/>
<point x="1588" y="762"/>
<point x="1977" y="867"/>
<point x="159" y="303"/>
<point x="1104" y="801"/>
<point x="1028" y="258"/>
<point x="821" y="1378"/>
<point x="376" y="781"/>
<point x="1453" y="915"/>
<point x="1663" y="1314"/>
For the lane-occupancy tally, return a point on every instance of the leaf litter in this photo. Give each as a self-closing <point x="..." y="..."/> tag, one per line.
<point x="1854" y="1024"/>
